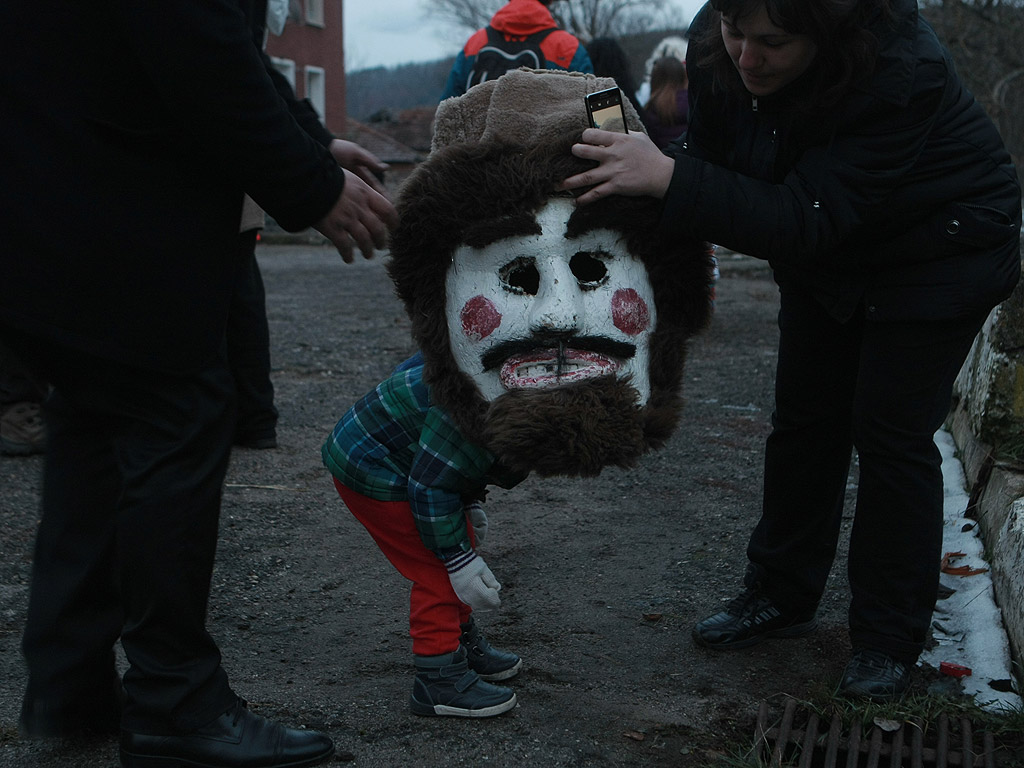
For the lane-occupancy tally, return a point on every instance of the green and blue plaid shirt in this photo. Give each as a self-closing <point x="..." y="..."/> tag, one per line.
<point x="394" y="445"/>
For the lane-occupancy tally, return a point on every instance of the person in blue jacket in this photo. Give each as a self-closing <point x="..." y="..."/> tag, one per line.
<point x="516" y="21"/>
<point x="837" y="142"/>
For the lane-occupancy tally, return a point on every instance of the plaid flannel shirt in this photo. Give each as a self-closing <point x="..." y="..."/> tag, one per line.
<point x="394" y="445"/>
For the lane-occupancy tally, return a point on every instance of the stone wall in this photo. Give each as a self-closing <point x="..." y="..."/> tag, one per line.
<point x="987" y="423"/>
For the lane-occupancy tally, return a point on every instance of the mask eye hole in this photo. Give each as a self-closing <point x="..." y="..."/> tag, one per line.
<point x="589" y="269"/>
<point x="520" y="276"/>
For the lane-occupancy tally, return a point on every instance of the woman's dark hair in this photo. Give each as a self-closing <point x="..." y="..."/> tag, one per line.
<point x="846" y="46"/>
<point x="668" y="76"/>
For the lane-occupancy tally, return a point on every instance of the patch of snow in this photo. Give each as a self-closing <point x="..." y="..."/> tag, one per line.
<point x="968" y="625"/>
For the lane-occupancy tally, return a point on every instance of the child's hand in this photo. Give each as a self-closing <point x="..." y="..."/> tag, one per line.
<point x="477" y="519"/>
<point x="473" y="582"/>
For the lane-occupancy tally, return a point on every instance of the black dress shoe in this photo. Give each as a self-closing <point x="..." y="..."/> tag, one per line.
<point x="749" y="619"/>
<point x="236" y="739"/>
<point x="874" y="675"/>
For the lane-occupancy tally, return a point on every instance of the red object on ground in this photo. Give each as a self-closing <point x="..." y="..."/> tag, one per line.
<point x="954" y="670"/>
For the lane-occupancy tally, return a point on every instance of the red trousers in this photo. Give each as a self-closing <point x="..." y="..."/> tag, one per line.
<point x="435" y="612"/>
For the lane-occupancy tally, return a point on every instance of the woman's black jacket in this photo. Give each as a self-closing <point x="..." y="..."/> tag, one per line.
<point x="901" y="200"/>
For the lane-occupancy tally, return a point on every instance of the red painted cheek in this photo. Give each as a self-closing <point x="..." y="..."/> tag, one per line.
<point x="629" y="312"/>
<point x="479" y="318"/>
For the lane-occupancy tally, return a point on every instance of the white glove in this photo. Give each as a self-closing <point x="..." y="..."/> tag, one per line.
<point x="473" y="582"/>
<point x="477" y="519"/>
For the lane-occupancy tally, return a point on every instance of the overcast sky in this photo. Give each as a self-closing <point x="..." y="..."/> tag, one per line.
<point x="390" y="32"/>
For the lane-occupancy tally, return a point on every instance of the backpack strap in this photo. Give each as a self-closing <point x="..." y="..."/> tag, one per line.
<point x="498" y="55"/>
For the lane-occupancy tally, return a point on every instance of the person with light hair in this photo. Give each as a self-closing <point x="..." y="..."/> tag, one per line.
<point x="673" y="45"/>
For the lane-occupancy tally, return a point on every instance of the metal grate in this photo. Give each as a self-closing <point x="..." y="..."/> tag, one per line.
<point x="801" y="739"/>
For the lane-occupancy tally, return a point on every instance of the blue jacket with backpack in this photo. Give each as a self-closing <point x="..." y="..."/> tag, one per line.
<point x="521" y="33"/>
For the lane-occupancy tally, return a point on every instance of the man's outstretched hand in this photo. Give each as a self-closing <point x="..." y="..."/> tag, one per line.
<point x="360" y="218"/>
<point x="362" y="162"/>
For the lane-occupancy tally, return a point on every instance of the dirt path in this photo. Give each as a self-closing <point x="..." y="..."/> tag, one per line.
<point x="602" y="578"/>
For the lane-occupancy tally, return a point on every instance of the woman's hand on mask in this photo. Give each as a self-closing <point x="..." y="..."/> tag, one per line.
<point x="629" y="164"/>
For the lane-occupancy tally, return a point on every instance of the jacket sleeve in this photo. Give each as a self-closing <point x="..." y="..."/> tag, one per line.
<point x="445" y="467"/>
<point x="836" y="192"/>
<point x="581" y="61"/>
<point x="456" y="84"/>
<point x="301" y="109"/>
<point x="218" y="91"/>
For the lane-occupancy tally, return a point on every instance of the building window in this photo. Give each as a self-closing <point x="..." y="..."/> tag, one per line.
<point x="286" y="67"/>
<point x="315" y="12"/>
<point x="316" y="90"/>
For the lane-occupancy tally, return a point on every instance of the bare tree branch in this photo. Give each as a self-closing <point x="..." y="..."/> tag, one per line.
<point x="587" y="19"/>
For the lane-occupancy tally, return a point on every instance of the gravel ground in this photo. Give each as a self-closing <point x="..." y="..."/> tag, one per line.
<point x="603" y="578"/>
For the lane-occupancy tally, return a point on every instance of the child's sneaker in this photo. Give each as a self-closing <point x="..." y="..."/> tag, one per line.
<point x="445" y="685"/>
<point x="490" y="663"/>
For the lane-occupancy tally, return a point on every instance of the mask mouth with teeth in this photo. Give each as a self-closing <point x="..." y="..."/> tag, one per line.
<point x="555" y="367"/>
<point x="554" y="336"/>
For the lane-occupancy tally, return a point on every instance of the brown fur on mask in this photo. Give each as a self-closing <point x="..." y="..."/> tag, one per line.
<point x="575" y="430"/>
<point x="464" y="193"/>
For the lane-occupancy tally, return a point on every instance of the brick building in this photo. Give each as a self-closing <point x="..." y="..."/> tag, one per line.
<point x="310" y="52"/>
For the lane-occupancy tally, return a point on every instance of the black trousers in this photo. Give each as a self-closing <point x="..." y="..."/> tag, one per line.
<point x="248" y="347"/>
<point x="18" y="382"/>
<point x="883" y="389"/>
<point x="125" y="549"/>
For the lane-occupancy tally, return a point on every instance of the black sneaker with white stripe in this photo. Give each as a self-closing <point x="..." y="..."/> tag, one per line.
<point x="749" y="619"/>
<point x="875" y="675"/>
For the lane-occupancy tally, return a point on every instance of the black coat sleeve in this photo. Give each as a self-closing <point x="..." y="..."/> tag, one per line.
<point x="301" y="109"/>
<point x="216" y="88"/>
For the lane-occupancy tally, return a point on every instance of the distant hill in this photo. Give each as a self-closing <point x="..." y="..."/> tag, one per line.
<point x="369" y="91"/>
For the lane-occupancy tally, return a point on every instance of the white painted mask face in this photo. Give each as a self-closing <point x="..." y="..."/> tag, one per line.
<point x="540" y="311"/>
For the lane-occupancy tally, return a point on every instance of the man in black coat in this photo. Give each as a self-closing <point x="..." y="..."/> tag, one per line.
<point x="128" y="135"/>
<point x="248" y="332"/>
